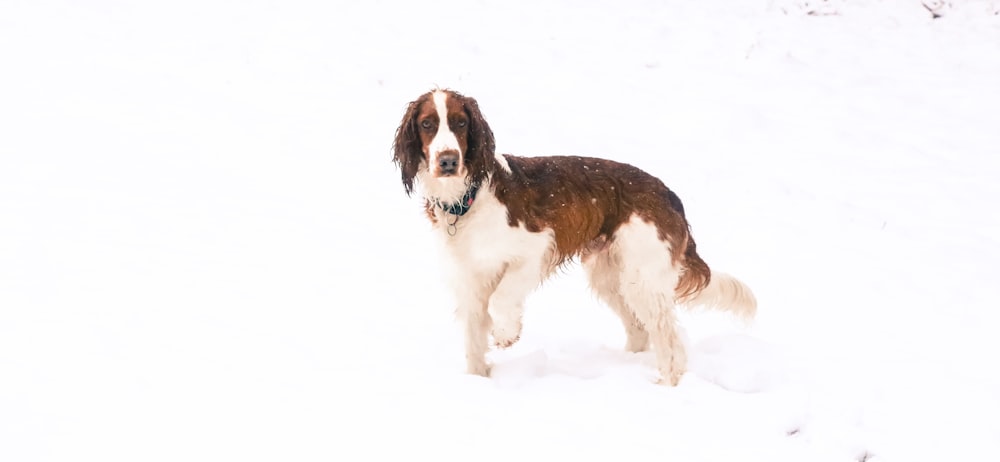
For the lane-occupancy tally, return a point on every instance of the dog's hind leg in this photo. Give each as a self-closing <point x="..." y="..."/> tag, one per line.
<point x="604" y="275"/>
<point x="648" y="279"/>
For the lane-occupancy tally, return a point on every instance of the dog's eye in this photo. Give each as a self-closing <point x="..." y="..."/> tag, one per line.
<point x="461" y="123"/>
<point x="426" y="124"/>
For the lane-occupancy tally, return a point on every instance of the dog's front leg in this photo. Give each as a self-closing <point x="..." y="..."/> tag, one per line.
<point x="506" y="306"/>
<point x="475" y="319"/>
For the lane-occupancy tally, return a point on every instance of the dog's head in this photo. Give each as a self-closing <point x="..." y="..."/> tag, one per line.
<point x="443" y="142"/>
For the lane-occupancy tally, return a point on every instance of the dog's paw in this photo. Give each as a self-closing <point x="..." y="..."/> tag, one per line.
<point x="506" y="331"/>
<point x="505" y="342"/>
<point x="504" y="336"/>
<point x="481" y="369"/>
<point x="671" y="378"/>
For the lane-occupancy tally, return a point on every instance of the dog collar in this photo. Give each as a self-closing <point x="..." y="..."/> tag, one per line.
<point x="463" y="205"/>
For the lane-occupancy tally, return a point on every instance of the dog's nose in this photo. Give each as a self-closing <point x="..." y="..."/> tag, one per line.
<point x="448" y="162"/>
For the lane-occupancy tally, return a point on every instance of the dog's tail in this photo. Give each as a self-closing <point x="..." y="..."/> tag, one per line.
<point x="724" y="293"/>
<point x="701" y="287"/>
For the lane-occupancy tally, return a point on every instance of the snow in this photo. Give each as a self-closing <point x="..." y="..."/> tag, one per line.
<point x="206" y="254"/>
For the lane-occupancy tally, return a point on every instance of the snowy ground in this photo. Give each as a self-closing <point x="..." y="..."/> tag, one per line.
<point x="206" y="254"/>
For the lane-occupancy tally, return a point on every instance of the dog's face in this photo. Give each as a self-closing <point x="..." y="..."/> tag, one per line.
<point x="443" y="142"/>
<point x="444" y="129"/>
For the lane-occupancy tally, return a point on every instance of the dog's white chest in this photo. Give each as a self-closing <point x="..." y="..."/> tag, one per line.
<point x="483" y="239"/>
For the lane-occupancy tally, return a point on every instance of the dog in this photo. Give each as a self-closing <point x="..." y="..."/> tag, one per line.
<point x="508" y="222"/>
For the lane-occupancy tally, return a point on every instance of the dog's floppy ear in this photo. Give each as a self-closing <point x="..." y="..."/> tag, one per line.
<point x="407" y="151"/>
<point x="481" y="145"/>
<point x="480" y="135"/>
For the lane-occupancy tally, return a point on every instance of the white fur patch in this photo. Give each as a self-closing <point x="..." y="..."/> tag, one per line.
<point x="647" y="266"/>
<point x="444" y="139"/>
<point x="502" y="161"/>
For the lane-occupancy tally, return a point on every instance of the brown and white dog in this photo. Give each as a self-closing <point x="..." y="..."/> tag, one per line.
<point x="508" y="222"/>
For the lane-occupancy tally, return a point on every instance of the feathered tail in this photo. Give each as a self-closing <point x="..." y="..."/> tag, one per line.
<point x="724" y="293"/>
